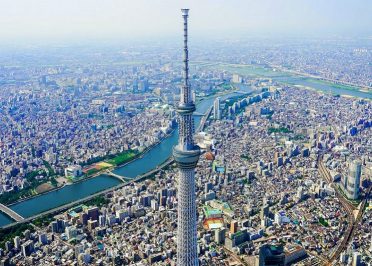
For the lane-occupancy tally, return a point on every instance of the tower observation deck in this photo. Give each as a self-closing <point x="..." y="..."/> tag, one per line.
<point x="186" y="155"/>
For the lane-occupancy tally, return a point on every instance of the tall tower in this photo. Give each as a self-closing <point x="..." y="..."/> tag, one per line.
<point x="353" y="180"/>
<point x="186" y="154"/>
<point x="216" y="109"/>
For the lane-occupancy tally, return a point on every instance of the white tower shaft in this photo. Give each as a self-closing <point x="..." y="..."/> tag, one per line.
<point x="186" y="155"/>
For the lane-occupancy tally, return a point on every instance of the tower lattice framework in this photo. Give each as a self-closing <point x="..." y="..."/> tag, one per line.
<point x="186" y="155"/>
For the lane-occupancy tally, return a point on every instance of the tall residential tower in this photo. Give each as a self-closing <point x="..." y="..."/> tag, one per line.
<point x="186" y="154"/>
<point x="216" y="109"/>
<point x="353" y="180"/>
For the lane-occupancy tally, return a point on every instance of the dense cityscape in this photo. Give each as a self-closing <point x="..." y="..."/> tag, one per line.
<point x="102" y="148"/>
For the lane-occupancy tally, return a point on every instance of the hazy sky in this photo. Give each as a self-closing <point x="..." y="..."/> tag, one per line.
<point x="124" y="19"/>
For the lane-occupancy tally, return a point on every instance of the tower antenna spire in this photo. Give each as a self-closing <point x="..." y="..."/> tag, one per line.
<point x="186" y="155"/>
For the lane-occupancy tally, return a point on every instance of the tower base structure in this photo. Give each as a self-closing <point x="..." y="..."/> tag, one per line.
<point x="187" y="254"/>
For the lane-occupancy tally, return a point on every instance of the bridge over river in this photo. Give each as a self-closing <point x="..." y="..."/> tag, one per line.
<point x="122" y="178"/>
<point x="15" y="216"/>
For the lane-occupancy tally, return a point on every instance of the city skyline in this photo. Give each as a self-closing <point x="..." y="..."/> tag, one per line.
<point x="125" y="140"/>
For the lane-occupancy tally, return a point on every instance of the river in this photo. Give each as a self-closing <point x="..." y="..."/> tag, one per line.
<point x="288" y="78"/>
<point x="149" y="160"/>
<point x="325" y="87"/>
<point x="73" y="192"/>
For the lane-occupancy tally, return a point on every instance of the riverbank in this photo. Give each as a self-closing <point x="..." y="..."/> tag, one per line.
<point x="35" y="196"/>
<point x="329" y="92"/>
<point x="337" y="83"/>
<point x="91" y="196"/>
<point x="144" y="166"/>
<point x="272" y="71"/>
<point x="94" y="175"/>
<point x="217" y="94"/>
<point x="146" y="162"/>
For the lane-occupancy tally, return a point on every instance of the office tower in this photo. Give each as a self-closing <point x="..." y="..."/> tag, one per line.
<point x="71" y="232"/>
<point x="27" y="248"/>
<point x="8" y="246"/>
<point x="279" y="161"/>
<point x="102" y="220"/>
<point x="193" y="96"/>
<point x="271" y="255"/>
<point x="27" y="234"/>
<point x="300" y="193"/>
<point x="43" y="239"/>
<point x="54" y="226"/>
<point x="17" y="242"/>
<point x="353" y="180"/>
<point x="219" y="235"/>
<point x="83" y="218"/>
<point x="186" y="155"/>
<point x="276" y="155"/>
<point x="78" y="250"/>
<point x="357" y="259"/>
<point x="265" y="210"/>
<point x="236" y="78"/>
<point x="93" y="213"/>
<point x="207" y="186"/>
<point x="234" y="227"/>
<point x="343" y="257"/>
<point x="143" y="85"/>
<point x="216" y="109"/>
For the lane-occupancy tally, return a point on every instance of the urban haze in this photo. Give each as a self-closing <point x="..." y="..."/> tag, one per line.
<point x="186" y="133"/>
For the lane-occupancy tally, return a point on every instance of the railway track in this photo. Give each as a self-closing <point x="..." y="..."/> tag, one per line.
<point x="352" y="222"/>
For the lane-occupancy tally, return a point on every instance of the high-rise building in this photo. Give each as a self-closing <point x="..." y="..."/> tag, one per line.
<point x="93" y="213"/>
<point x="236" y="78"/>
<point x="352" y="182"/>
<point x="186" y="155"/>
<point x="17" y="242"/>
<point x="357" y="259"/>
<point x="216" y="109"/>
<point x="193" y="96"/>
<point x="265" y="210"/>
<point x="143" y="85"/>
<point x="234" y="227"/>
<point x="27" y="248"/>
<point x="271" y="255"/>
<point x="219" y="235"/>
<point x="43" y="239"/>
<point x="8" y="246"/>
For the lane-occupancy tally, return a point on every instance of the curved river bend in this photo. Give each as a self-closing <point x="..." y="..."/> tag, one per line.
<point x="76" y="191"/>
<point x="149" y="161"/>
